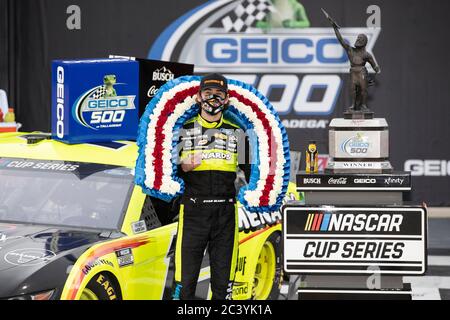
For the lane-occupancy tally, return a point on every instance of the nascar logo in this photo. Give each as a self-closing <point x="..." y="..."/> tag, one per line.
<point x="331" y="222"/>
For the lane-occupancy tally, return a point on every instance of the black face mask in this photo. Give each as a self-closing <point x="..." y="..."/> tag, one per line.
<point x="213" y="104"/>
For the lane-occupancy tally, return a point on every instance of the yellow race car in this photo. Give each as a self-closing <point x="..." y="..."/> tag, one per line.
<point x="73" y="225"/>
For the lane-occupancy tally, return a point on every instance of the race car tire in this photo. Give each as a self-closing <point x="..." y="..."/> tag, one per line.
<point x="101" y="287"/>
<point x="268" y="271"/>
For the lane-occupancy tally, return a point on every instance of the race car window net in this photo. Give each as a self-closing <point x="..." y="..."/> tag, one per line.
<point x="72" y="194"/>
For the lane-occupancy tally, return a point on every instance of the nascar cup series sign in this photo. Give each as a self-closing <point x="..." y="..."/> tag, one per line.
<point x="354" y="240"/>
<point x="270" y="45"/>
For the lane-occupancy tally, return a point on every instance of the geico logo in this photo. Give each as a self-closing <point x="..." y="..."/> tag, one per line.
<point x="292" y="50"/>
<point x="216" y="155"/>
<point x="311" y="180"/>
<point x="353" y="250"/>
<point x="108" y="103"/>
<point x="365" y="180"/>
<point x="60" y="102"/>
<point x="363" y="222"/>
<point x="428" y="167"/>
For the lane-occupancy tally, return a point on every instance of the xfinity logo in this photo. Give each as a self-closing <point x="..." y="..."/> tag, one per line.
<point x="311" y="180"/>
<point x="434" y="168"/>
<point x="337" y="181"/>
<point x="398" y="181"/>
<point x="60" y="102"/>
<point x="163" y="74"/>
<point x="366" y="181"/>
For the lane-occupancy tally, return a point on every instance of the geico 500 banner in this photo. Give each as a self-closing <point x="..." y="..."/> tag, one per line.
<point x="275" y="46"/>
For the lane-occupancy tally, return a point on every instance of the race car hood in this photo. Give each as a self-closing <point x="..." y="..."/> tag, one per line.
<point x="35" y="258"/>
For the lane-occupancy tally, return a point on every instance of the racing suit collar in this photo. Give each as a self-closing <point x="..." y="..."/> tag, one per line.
<point x="207" y="124"/>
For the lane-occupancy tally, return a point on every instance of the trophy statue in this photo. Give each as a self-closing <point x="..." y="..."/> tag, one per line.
<point x="321" y="236"/>
<point x="358" y="143"/>
<point x="359" y="77"/>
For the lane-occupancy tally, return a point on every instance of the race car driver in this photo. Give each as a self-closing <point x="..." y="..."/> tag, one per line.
<point x="208" y="212"/>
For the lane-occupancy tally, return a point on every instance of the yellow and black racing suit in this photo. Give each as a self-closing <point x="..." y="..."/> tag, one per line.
<point x="208" y="210"/>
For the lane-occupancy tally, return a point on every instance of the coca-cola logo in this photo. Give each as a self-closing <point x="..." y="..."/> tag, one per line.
<point x="341" y="180"/>
<point x="152" y="91"/>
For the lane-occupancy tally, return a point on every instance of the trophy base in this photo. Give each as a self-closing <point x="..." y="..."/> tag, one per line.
<point x="359" y="167"/>
<point x="358" y="114"/>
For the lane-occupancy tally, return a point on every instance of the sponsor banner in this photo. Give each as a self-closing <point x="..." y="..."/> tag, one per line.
<point x="154" y="73"/>
<point x="329" y="181"/>
<point x="94" y="100"/>
<point x="296" y="62"/>
<point x="428" y="168"/>
<point x="354" y="240"/>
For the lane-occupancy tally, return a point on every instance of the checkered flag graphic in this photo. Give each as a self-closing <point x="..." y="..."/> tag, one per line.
<point x="245" y="14"/>
<point x="99" y="93"/>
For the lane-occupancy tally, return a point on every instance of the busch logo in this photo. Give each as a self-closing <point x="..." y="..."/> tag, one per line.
<point x="163" y="74"/>
<point x="311" y="180"/>
<point x="337" y="181"/>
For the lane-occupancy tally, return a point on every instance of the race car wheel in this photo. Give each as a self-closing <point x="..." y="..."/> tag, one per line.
<point x="101" y="287"/>
<point x="266" y="283"/>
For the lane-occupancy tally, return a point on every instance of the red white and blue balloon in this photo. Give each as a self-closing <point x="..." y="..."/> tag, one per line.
<point x="174" y="104"/>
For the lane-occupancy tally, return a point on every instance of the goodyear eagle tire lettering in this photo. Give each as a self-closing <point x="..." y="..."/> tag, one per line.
<point x="101" y="287"/>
